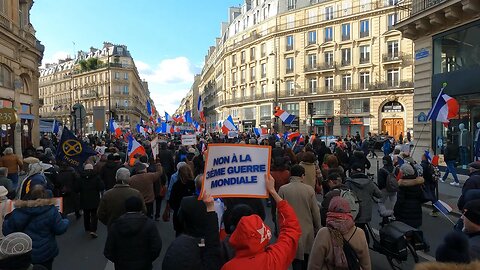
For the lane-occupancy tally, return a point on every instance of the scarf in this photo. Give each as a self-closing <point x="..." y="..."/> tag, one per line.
<point x="339" y="224"/>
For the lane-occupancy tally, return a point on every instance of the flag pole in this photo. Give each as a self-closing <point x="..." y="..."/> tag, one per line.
<point x="419" y="136"/>
<point x="443" y="214"/>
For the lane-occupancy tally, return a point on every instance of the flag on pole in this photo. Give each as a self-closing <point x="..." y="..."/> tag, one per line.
<point x="168" y="118"/>
<point x="135" y="147"/>
<point x="285" y="116"/>
<point x="260" y="131"/>
<point x="444" y="108"/>
<point x="312" y="138"/>
<point x="72" y="150"/>
<point x="200" y="109"/>
<point x="442" y="207"/>
<point x="55" y="127"/>
<point x="187" y="116"/>
<point x="179" y="119"/>
<point x="114" y="128"/>
<point x="293" y="135"/>
<point x="149" y="107"/>
<point x="228" y="125"/>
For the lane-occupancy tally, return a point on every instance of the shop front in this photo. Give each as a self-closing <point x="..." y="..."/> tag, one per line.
<point x="248" y="125"/>
<point x="323" y="126"/>
<point x="352" y="125"/>
<point x="456" y="62"/>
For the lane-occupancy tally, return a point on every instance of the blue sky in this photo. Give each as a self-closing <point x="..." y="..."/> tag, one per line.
<point x="168" y="39"/>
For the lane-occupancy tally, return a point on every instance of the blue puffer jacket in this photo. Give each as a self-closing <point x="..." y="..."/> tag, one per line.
<point x="40" y="220"/>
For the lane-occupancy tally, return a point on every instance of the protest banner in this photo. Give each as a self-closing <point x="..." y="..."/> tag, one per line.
<point x="189" y="139"/>
<point x="232" y="134"/>
<point x="234" y="170"/>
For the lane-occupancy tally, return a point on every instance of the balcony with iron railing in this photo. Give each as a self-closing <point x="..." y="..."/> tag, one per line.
<point x="395" y="57"/>
<point x="346" y="62"/>
<point x="365" y="60"/>
<point x="345" y="37"/>
<point x="364" y="34"/>
<point x="246" y="98"/>
<point x="320" y="67"/>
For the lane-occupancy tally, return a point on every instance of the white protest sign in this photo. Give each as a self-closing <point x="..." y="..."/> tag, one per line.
<point x="232" y="134"/>
<point x="189" y="139"/>
<point x="154" y="146"/>
<point x="234" y="170"/>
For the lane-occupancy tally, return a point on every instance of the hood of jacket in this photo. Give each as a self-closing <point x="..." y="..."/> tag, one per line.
<point x="360" y="180"/>
<point x="411" y="182"/>
<point x="250" y="237"/>
<point x="34" y="207"/>
<point x="130" y="223"/>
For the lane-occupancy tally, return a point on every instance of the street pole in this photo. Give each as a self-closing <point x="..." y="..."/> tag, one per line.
<point x="275" y="78"/>
<point x="109" y="94"/>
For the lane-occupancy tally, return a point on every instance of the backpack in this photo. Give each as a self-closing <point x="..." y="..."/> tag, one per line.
<point x="352" y="200"/>
<point x="350" y="254"/>
<point x="391" y="185"/>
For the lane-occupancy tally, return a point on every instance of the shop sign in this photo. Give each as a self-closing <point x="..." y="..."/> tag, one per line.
<point x="351" y="121"/>
<point x="7" y="116"/>
<point x="422" y="117"/>
<point x="249" y="122"/>
<point x="323" y="122"/>
<point x="422" y="53"/>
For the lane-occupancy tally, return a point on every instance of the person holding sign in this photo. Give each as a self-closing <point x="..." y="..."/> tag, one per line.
<point x="251" y="238"/>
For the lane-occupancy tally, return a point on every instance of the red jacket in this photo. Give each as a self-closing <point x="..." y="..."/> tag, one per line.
<point x="251" y="237"/>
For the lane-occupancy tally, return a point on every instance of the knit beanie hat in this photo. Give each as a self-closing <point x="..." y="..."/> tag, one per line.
<point x="472" y="211"/>
<point x="15" y="244"/>
<point x="407" y="170"/>
<point x="454" y="248"/>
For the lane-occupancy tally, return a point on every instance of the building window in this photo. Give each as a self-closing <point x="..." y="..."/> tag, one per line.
<point x="289" y="64"/>
<point x="312" y="85"/>
<point x="392" y="2"/>
<point x="234" y="60"/>
<point x="290" y="21"/>
<point x="346" y="56"/>
<point x="243" y="57"/>
<point x="347" y="8"/>
<point x="252" y="74"/>
<point x="391" y="20"/>
<point x="263" y="49"/>
<point x="252" y="91"/>
<point x="312" y="37"/>
<point x="289" y="46"/>
<point x="234" y="112"/>
<point x="125" y="76"/>
<point x="264" y="70"/>
<point x="358" y="106"/>
<point x="329" y="83"/>
<point x="365" y="5"/>
<point x="249" y="113"/>
<point x="364" y="80"/>
<point x="347" y="82"/>
<point x="291" y="4"/>
<point x="392" y="47"/>
<point x="243" y="75"/>
<point x="125" y="89"/>
<point x="393" y="77"/>
<point x="323" y="107"/>
<point x="292" y="108"/>
<point x="117" y="76"/>
<point x="345" y="31"/>
<point x="290" y="86"/>
<point x="329" y="61"/>
<point x="364" y="54"/>
<point x="312" y="16"/>
<point x="252" y="54"/>
<point x="328" y="34"/>
<point x="364" y="28"/>
<point x="263" y="90"/>
<point x="265" y="111"/>
<point x="5" y="77"/>
<point x="329" y="13"/>
<point x="312" y="61"/>
<point x="392" y="107"/>
<point x="234" y="78"/>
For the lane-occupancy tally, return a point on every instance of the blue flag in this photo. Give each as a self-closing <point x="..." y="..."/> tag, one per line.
<point x="72" y="150"/>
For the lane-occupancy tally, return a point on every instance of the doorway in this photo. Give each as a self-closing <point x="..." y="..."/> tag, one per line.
<point x="394" y="126"/>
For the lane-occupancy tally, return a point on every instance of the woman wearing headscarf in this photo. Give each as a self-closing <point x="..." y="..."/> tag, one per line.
<point x="327" y="251"/>
<point x="34" y="177"/>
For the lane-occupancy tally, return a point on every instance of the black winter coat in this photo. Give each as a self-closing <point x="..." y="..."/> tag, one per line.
<point x="133" y="242"/>
<point x="68" y="178"/>
<point x="408" y="208"/>
<point x="472" y="183"/>
<point x="108" y="173"/>
<point x="166" y="159"/>
<point x="89" y="186"/>
<point x="382" y="176"/>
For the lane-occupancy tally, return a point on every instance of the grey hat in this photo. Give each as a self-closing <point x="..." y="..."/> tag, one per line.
<point x="15" y="244"/>
<point x="407" y="170"/>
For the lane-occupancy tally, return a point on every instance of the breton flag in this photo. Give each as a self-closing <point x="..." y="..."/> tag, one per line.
<point x="285" y="116"/>
<point x="114" y="128"/>
<point x="228" y="125"/>
<point x="200" y="109"/>
<point x="168" y="118"/>
<point x="260" y="131"/>
<point x="135" y="147"/>
<point x="444" y="108"/>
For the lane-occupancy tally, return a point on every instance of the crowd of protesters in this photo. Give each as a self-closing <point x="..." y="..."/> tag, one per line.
<point x="310" y="188"/>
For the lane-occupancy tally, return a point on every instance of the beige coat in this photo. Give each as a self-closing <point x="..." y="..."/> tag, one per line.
<point x="303" y="200"/>
<point x="321" y="256"/>
<point x="310" y="173"/>
<point x="447" y="266"/>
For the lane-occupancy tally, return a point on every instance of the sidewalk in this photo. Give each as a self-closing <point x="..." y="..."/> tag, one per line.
<point x="447" y="193"/>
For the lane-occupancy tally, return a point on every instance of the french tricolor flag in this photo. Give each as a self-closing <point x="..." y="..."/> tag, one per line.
<point x="200" y="109"/>
<point x="260" y="131"/>
<point x="228" y="125"/>
<point x="444" y="108"/>
<point x="115" y="128"/>
<point x="285" y="116"/>
<point x="135" y="147"/>
<point x="443" y="207"/>
<point x="168" y="118"/>
<point x="179" y="119"/>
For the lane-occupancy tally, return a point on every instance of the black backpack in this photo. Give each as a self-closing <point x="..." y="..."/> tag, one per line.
<point x="350" y="254"/>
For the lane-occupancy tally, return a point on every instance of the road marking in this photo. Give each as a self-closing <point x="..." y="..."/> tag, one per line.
<point x="419" y="252"/>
